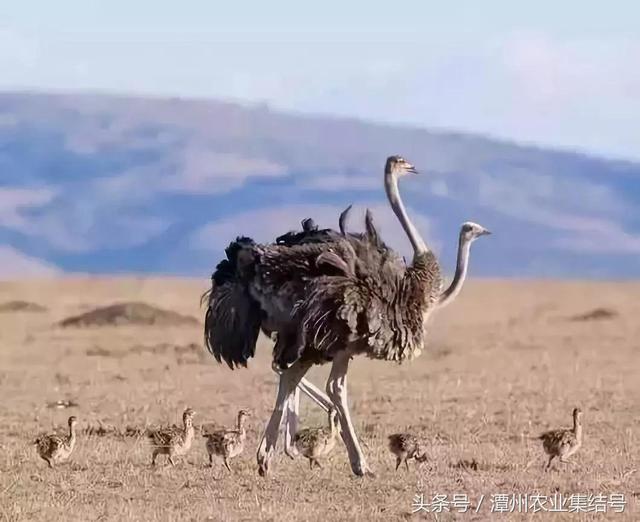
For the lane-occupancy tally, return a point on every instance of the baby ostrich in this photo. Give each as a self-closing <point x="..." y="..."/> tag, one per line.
<point x="227" y="443"/>
<point x="563" y="443"/>
<point x="406" y="446"/>
<point x="317" y="443"/>
<point x="55" y="448"/>
<point x="173" y="441"/>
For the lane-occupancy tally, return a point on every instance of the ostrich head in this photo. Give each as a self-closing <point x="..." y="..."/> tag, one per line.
<point x="187" y="417"/>
<point x="72" y="421"/>
<point x="242" y="415"/>
<point x="471" y="231"/>
<point x="577" y="414"/>
<point x="398" y="166"/>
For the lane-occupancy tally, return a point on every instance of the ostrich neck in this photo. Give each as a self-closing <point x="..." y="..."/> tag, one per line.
<point x="577" y="430"/>
<point x="393" y="195"/>
<point x="188" y="433"/>
<point x="462" y="264"/>
<point x="241" y="428"/>
<point x="72" y="435"/>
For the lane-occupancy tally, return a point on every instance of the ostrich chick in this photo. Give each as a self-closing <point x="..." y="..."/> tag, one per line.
<point x="173" y="441"/>
<point x="55" y="448"/>
<point x="227" y="443"/>
<point x="564" y="442"/>
<point x="317" y="443"/>
<point x="406" y="446"/>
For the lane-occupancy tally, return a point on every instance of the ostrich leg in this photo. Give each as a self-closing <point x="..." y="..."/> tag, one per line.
<point x="291" y="423"/>
<point x="289" y="379"/>
<point x="293" y="408"/>
<point x="337" y="390"/>
<point x="315" y="394"/>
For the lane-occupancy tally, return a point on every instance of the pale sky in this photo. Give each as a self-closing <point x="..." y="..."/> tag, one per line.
<point x="564" y="74"/>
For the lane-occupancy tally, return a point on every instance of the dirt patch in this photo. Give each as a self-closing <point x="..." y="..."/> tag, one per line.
<point x="129" y="313"/>
<point x="597" y="314"/>
<point x="191" y="353"/>
<point x="22" y="306"/>
<point x="99" y="351"/>
<point x="106" y="430"/>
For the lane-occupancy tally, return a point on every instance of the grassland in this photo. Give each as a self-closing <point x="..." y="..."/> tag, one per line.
<point x="505" y="362"/>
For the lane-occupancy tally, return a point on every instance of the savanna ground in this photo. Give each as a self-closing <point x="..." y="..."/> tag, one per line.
<point x="504" y="363"/>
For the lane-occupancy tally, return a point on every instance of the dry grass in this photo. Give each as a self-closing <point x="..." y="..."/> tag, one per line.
<point x="503" y="364"/>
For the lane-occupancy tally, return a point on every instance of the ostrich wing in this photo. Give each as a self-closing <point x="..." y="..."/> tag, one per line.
<point x="232" y="321"/>
<point x="232" y="324"/>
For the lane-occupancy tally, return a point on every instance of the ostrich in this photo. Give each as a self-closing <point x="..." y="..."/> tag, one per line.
<point x="317" y="443"/>
<point x="227" y="443"/>
<point x="563" y="443"/>
<point x="54" y="448"/>
<point x="469" y="232"/>
<point x="406" y="446"/>
<point x="223" y="280"/>
<point x="328" y="301"/>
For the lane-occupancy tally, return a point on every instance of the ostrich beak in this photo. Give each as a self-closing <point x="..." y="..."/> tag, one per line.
<point x="485" y="232"/>
<point x="411" y="169"/>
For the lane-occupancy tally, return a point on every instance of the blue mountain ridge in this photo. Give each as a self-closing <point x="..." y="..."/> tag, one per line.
<point x="113" y="184"/>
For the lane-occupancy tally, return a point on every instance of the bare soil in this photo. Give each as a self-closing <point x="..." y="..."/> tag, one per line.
<point x="503" y="363"/>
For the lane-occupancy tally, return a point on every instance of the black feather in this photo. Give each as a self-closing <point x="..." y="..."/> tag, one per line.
<point x="233" y="317"/>
<point x="342" y="220"/>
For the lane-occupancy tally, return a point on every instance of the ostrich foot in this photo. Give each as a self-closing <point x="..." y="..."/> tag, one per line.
<point x="263" y="468"/>
<point x="291" y="452"/>
<point x="264" y="457"/>
<point x="362" y="470"/>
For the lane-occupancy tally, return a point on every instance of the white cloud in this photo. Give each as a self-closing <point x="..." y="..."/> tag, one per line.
<point x="200" y="170"/>
<point x="14" y="264"/>
<point x="587" y="216"/>
<point x="102" y="215"/>
<point x="337" y="182"/>
<point x="14" y="200"/>
<point x="83" y="227"/>
<point x="596" y="236"/>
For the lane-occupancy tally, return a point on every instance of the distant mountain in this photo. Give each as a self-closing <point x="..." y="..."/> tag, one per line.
<point x="105" y="184"/>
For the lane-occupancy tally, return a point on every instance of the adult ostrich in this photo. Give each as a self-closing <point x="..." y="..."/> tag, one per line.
<point x="233" y="341"/>
<point x="328" y="301"/>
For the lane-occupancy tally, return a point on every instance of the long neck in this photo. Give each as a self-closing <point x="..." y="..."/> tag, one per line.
<point x="72" y="434"/>
<point x="189" y="432"/>
<point x="577" y="428"/>
<point x="462" y="264"/>
<point x="241" y="426"/>
<point x="393" y="194"/>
